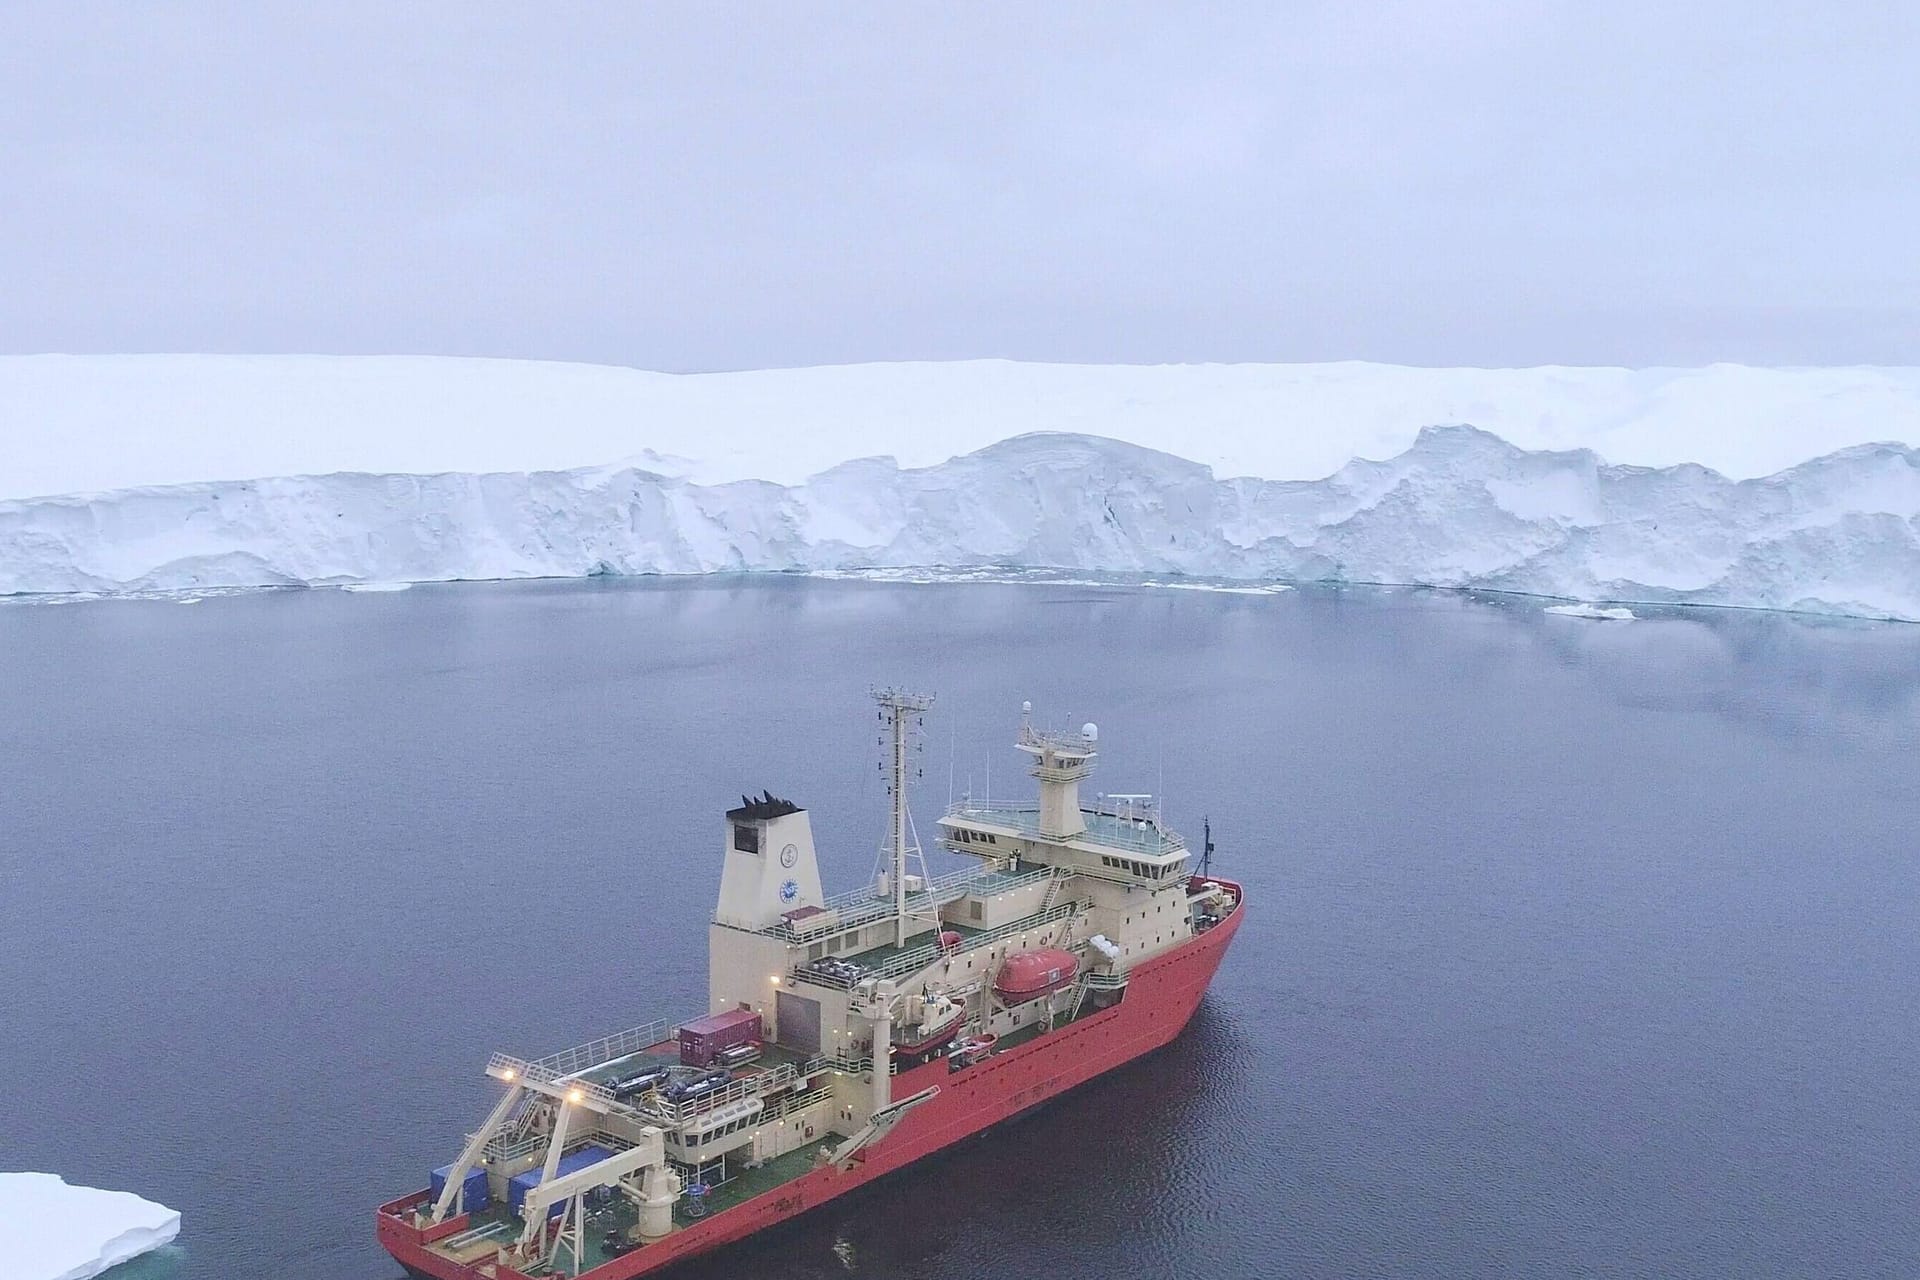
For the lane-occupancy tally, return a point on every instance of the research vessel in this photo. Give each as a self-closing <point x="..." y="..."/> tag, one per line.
<point x="844" y="1037"/>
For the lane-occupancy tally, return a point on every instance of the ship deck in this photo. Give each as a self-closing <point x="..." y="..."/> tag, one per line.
<point x="881" y="957"/>
<point x="748" y="1183"/>
<point x="616" y="1218"/>
<point x="667" y="1054"/>
<point x="498" y="1226"/>
<point x="865" y="905"/>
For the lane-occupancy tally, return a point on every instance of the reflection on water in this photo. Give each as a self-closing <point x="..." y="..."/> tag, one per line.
<point x="166" y="1263"/>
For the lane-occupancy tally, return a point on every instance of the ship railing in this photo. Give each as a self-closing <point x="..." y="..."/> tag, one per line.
<point x="870" y="891"/>
<point x="835" y="981"/>
<point x="1059" y="739"/>
<point x="1130" y="826"/>
<point x="801" y="1101"/>
<point x="503" y="1149"/>
<point x="997" y="881"/>
<point x="866" y="903"/>
<point x="1102" y="981"/>
<point x="487" y="1231"/>
<point x="512" y="1070"/>
<point x="1135" y="835"/>
<point x="917" y="958"/>
<point x="602" y="1136"/>
<point x="849" y="1065"/>
<point x="659" y="1109"/>
<point x="956" y="887"/>
<point x="920" y="957"/>
<point x="962" y="807"/>
<point x="815" y="1065"/>
<point x="598" y="1053"/>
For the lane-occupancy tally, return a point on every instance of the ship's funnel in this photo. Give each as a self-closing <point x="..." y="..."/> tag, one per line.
<point x="770" y="871"/>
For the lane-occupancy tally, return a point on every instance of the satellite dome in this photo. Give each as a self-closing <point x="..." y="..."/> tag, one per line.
<point x="1090" y="731"/>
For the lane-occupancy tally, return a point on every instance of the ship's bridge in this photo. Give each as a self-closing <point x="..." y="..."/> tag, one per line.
<point x="1121" y="836"/>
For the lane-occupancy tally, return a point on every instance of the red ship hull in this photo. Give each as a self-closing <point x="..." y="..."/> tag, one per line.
<point x="1162" y="994"/>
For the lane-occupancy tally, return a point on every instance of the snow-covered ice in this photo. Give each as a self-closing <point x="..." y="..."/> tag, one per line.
<point x="1251" y="479"/>
<point x="51" y="1230"/>
<point x="1615" y="613"/>
<point x="76" y="424"/>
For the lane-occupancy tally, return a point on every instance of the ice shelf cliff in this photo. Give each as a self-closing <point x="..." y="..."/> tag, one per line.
<point x="1724" y="485"/>
<point x="51" y="1230"/>
<point x="1459" y="508"/>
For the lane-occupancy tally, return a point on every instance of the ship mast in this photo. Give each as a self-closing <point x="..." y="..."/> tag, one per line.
<point x="900" y="711"/>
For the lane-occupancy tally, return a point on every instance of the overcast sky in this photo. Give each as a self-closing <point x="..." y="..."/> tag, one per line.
<point x="702" y="186"/>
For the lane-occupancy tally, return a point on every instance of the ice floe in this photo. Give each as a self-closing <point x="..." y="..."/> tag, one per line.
<point x="1616" y="613"/>
<point x="53" y="1230"/>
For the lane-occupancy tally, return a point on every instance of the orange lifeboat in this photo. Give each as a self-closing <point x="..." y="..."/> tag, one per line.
<point x="1028" y="975"/>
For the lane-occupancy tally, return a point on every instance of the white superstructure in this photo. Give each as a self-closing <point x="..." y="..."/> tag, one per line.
<point x="816" y="1003"/>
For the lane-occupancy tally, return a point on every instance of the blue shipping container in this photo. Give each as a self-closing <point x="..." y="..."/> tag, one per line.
<point x="475" y="1196"/>
<point x="572" y="1162"/>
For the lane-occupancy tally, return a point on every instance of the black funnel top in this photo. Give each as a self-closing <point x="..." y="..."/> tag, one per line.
<point x="767" y="806"/>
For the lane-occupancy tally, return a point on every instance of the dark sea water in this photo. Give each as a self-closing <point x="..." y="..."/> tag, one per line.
<point x="1574" y="948"/>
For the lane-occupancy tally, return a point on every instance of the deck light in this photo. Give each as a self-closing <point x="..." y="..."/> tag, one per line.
<point x="507" y="1074"/>
<point x="575" y="1095"/>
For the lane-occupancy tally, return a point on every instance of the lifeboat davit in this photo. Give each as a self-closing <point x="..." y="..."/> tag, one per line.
<point x="1028" y="975"/>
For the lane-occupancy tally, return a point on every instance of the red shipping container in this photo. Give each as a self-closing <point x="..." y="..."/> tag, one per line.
<point x="703" y="1038"/>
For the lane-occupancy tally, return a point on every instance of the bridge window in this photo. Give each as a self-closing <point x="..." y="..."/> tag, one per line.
<point x="746" y="838"/>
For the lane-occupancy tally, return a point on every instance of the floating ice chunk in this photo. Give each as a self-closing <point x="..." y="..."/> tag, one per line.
<point x="1616" y="612"/>
<point x="50" y="1230"/>
<point x="1262" y="589"/>
<point x="376" y="586"/>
